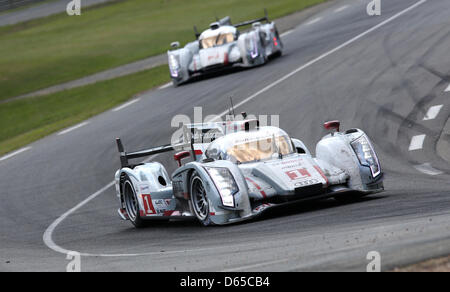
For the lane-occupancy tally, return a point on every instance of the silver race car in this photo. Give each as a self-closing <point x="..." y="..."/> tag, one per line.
<point x="239" y="169"/>
<point x="222" y="45"/>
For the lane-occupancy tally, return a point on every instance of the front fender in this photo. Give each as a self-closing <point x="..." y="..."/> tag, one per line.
<point x="337" y="150"/>
<point x="179" y="61"/>
<point x="251" y="49"/>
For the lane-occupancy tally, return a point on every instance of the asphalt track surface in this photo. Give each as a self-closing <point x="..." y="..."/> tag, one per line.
<point x="380" y="74"/>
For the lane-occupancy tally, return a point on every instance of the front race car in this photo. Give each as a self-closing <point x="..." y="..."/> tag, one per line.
<point x="237" y="175"/>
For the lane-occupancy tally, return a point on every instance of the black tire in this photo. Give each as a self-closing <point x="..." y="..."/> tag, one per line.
<point x="199" y="201"/>
<point x="131" y="203"/>
<point x="278" y="54"/>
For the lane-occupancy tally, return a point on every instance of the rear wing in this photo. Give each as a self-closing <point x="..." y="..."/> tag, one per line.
<point x="227" y="21"/>
<point x="126" y="156"/>
<point x="245" y="23"/>
<point x="193" y="135"/>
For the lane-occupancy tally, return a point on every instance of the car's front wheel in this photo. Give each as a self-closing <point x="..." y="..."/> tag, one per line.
<point x="199" y="200"/>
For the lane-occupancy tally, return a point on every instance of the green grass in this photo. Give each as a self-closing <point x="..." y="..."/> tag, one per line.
<point x="49" y="51"/>
<point x="24" y="121"/>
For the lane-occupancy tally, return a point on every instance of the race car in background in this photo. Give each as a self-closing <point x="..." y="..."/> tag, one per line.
<point x="223" y="45"/>
<point x="238" y="170"/>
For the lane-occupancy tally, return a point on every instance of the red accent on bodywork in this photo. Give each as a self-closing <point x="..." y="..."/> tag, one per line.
<point x="322" y="174"/>
<point x="212" y="214"/>
<point x="263" y="193"/>
<point x="148" y="205"/>
<point x="226" y="60"/>
<point x="168" y="213"/>
<point x="198" y="152"/>
<point x="293" y="174"/>
<point x="181" y="155"/>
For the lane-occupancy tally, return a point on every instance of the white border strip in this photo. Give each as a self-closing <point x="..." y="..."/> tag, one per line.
<point x="165" y="86"/>
<point x="72" y="128"/>
<point x="47" y="237"/>
<point x="286" y="33"/>
<point x="14" y="153"/>
<point x="126" y="104"/>
<point x="340" y="9"/>
<point x="417" y="142"/>
<point x="433" y="112"/>
<point x="315" y="20"/>
<point x="428" y="169"/>
<point x="448" y="89"/>
<point x="48" y="233"/>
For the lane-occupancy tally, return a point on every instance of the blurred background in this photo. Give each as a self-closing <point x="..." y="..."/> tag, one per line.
<point x="49" y="60"/>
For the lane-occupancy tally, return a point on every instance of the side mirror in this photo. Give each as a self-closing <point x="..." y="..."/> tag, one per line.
<point x="332" y="125"/>
<point x="180" y="156"/>
<point x="175" y="45"/>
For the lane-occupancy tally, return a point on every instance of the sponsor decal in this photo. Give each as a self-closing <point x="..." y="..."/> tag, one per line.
<point x="297" y="174"/>
<point x="161" y="205"/>
<point x="214" y="57"/>
<point x="145" y="188"/>
<point x="307" y="182"/>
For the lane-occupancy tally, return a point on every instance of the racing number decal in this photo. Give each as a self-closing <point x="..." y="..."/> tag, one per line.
<point x="298" y="174"/>
<point x="148" y="205"/>
<point x="212" y="57"/>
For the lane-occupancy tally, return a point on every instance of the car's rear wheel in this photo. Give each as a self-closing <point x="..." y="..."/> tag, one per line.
<point x="131" y="203"/>
<point x="199" y="200"/>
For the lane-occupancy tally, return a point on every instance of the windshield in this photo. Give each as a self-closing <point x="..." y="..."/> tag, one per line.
<point x="260" y="150"/>
<point x="246" y="147"/>
<point x="217" y="40"/>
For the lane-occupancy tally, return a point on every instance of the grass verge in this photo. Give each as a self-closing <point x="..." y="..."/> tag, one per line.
<point x="25" y="121"/>
<point x="433" y="265"/>
<point x="59" y="48"/>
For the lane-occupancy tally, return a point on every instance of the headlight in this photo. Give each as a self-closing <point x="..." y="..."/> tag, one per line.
<point x="366" y="155"/>
<point x="225" y="184"/>
<point x="174" y="65"/>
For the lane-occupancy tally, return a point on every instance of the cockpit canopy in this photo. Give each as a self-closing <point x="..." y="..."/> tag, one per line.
<point x="218" y="37"/>
<point x="242" y="147"/>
